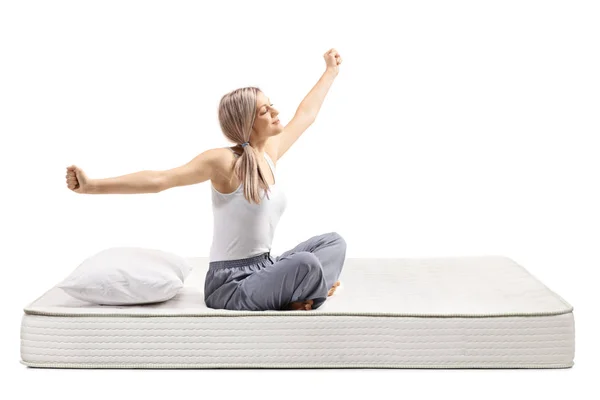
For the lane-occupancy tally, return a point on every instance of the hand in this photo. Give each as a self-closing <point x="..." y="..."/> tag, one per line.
<point x="77" y="180"/>
<point x="332" y="60"/>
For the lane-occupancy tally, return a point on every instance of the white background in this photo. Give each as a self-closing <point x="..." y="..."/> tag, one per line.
<point x="453" y="128"/>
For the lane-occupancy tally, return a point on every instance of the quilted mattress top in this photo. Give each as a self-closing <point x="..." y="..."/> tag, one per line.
<point x="475" y="286"/>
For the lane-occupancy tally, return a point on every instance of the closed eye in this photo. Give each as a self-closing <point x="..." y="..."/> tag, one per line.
<point x="267" y="110"/>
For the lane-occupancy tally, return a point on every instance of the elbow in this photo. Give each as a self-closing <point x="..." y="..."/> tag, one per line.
<point x="159" y="185"/>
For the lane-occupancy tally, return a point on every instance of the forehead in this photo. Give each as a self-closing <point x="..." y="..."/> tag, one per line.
<point x="261" y="99"/>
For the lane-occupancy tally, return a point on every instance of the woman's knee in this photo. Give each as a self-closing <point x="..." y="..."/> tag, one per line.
<point x="338" y="238"/>
<point x="306" y="259"/>
<point x="307" y="263"/>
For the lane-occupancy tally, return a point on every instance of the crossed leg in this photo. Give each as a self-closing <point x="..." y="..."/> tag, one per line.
<point x="299" y="279"/>
<point x="330" y="250"/>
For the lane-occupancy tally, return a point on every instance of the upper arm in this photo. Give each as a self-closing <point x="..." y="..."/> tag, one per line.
<point x="292" y="131"/>
<point x="272" y="147"/>
<point x="199" y="169"/>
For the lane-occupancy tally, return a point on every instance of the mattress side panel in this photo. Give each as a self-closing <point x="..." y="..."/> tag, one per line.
<point x="294" y="342"/>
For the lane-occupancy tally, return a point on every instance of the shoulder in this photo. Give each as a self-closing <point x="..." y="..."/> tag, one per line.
<point x="224" y="156"/>
<point x="221" y="162"/>
<point x="218" y="156"/>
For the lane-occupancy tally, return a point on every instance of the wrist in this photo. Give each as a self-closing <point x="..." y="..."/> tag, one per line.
<point x="91" y="186"/>
<point x="333" y="71"/>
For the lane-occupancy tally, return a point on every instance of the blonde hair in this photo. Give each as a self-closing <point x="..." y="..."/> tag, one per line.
<point x="237" y="112"/>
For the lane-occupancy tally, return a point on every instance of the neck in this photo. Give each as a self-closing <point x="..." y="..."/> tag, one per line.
<point x="259" y="146"/>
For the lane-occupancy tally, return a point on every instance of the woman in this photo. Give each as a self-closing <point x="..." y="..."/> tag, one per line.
<point x="247" y="205"/>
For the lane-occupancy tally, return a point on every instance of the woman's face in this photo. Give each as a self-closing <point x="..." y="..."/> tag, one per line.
<point x="267" y="122"/>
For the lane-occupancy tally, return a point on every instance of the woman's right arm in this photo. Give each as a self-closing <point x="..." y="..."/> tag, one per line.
<point x="138" y="182"/>
<point x="198" y="170"/>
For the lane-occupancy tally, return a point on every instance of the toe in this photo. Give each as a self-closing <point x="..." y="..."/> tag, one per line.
<point x="309" y="304"/>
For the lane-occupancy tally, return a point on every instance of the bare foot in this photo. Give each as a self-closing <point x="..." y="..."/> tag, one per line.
<point x="307" y="304"/>
<point x="332" y="290"/>
<point x="301" y="305"/>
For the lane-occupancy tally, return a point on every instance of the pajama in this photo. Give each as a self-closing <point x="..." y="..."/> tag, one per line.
<point x="264" y="282"/>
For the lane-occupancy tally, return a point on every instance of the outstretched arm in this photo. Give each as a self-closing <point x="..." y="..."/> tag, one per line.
<point x="137" y="182"/>
<point x="198" y="170"/>
<point x="309" y="107"/>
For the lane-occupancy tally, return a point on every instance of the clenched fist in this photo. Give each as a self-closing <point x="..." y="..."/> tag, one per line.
<point x="333" y="60"/>
<point x="77" y="180"/>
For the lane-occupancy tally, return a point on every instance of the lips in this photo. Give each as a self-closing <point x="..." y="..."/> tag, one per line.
<point x="276" y="122"/>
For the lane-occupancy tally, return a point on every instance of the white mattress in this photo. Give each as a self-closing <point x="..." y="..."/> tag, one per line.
<point x="455" y="312"/>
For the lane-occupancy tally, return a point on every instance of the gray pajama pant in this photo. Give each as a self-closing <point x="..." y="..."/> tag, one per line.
<point x="262" y="283"/>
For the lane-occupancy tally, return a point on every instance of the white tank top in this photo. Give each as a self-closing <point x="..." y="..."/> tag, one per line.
<point x="243" y="229"/>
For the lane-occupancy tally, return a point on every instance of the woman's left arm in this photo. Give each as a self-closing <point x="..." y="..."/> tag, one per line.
<point x="309" y="107"/>
<point x="311" y="104"/>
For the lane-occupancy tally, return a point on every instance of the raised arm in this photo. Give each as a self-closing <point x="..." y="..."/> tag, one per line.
<point x="309" y="107"/>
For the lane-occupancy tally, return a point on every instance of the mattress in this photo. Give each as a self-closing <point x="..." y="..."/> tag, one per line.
<point x="452" y="312"/>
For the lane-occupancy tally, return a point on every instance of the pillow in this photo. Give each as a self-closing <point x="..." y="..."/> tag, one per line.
<point x="126" y="276"/>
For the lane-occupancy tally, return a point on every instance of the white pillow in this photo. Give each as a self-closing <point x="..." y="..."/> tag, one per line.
<point x="126" y="276"/>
